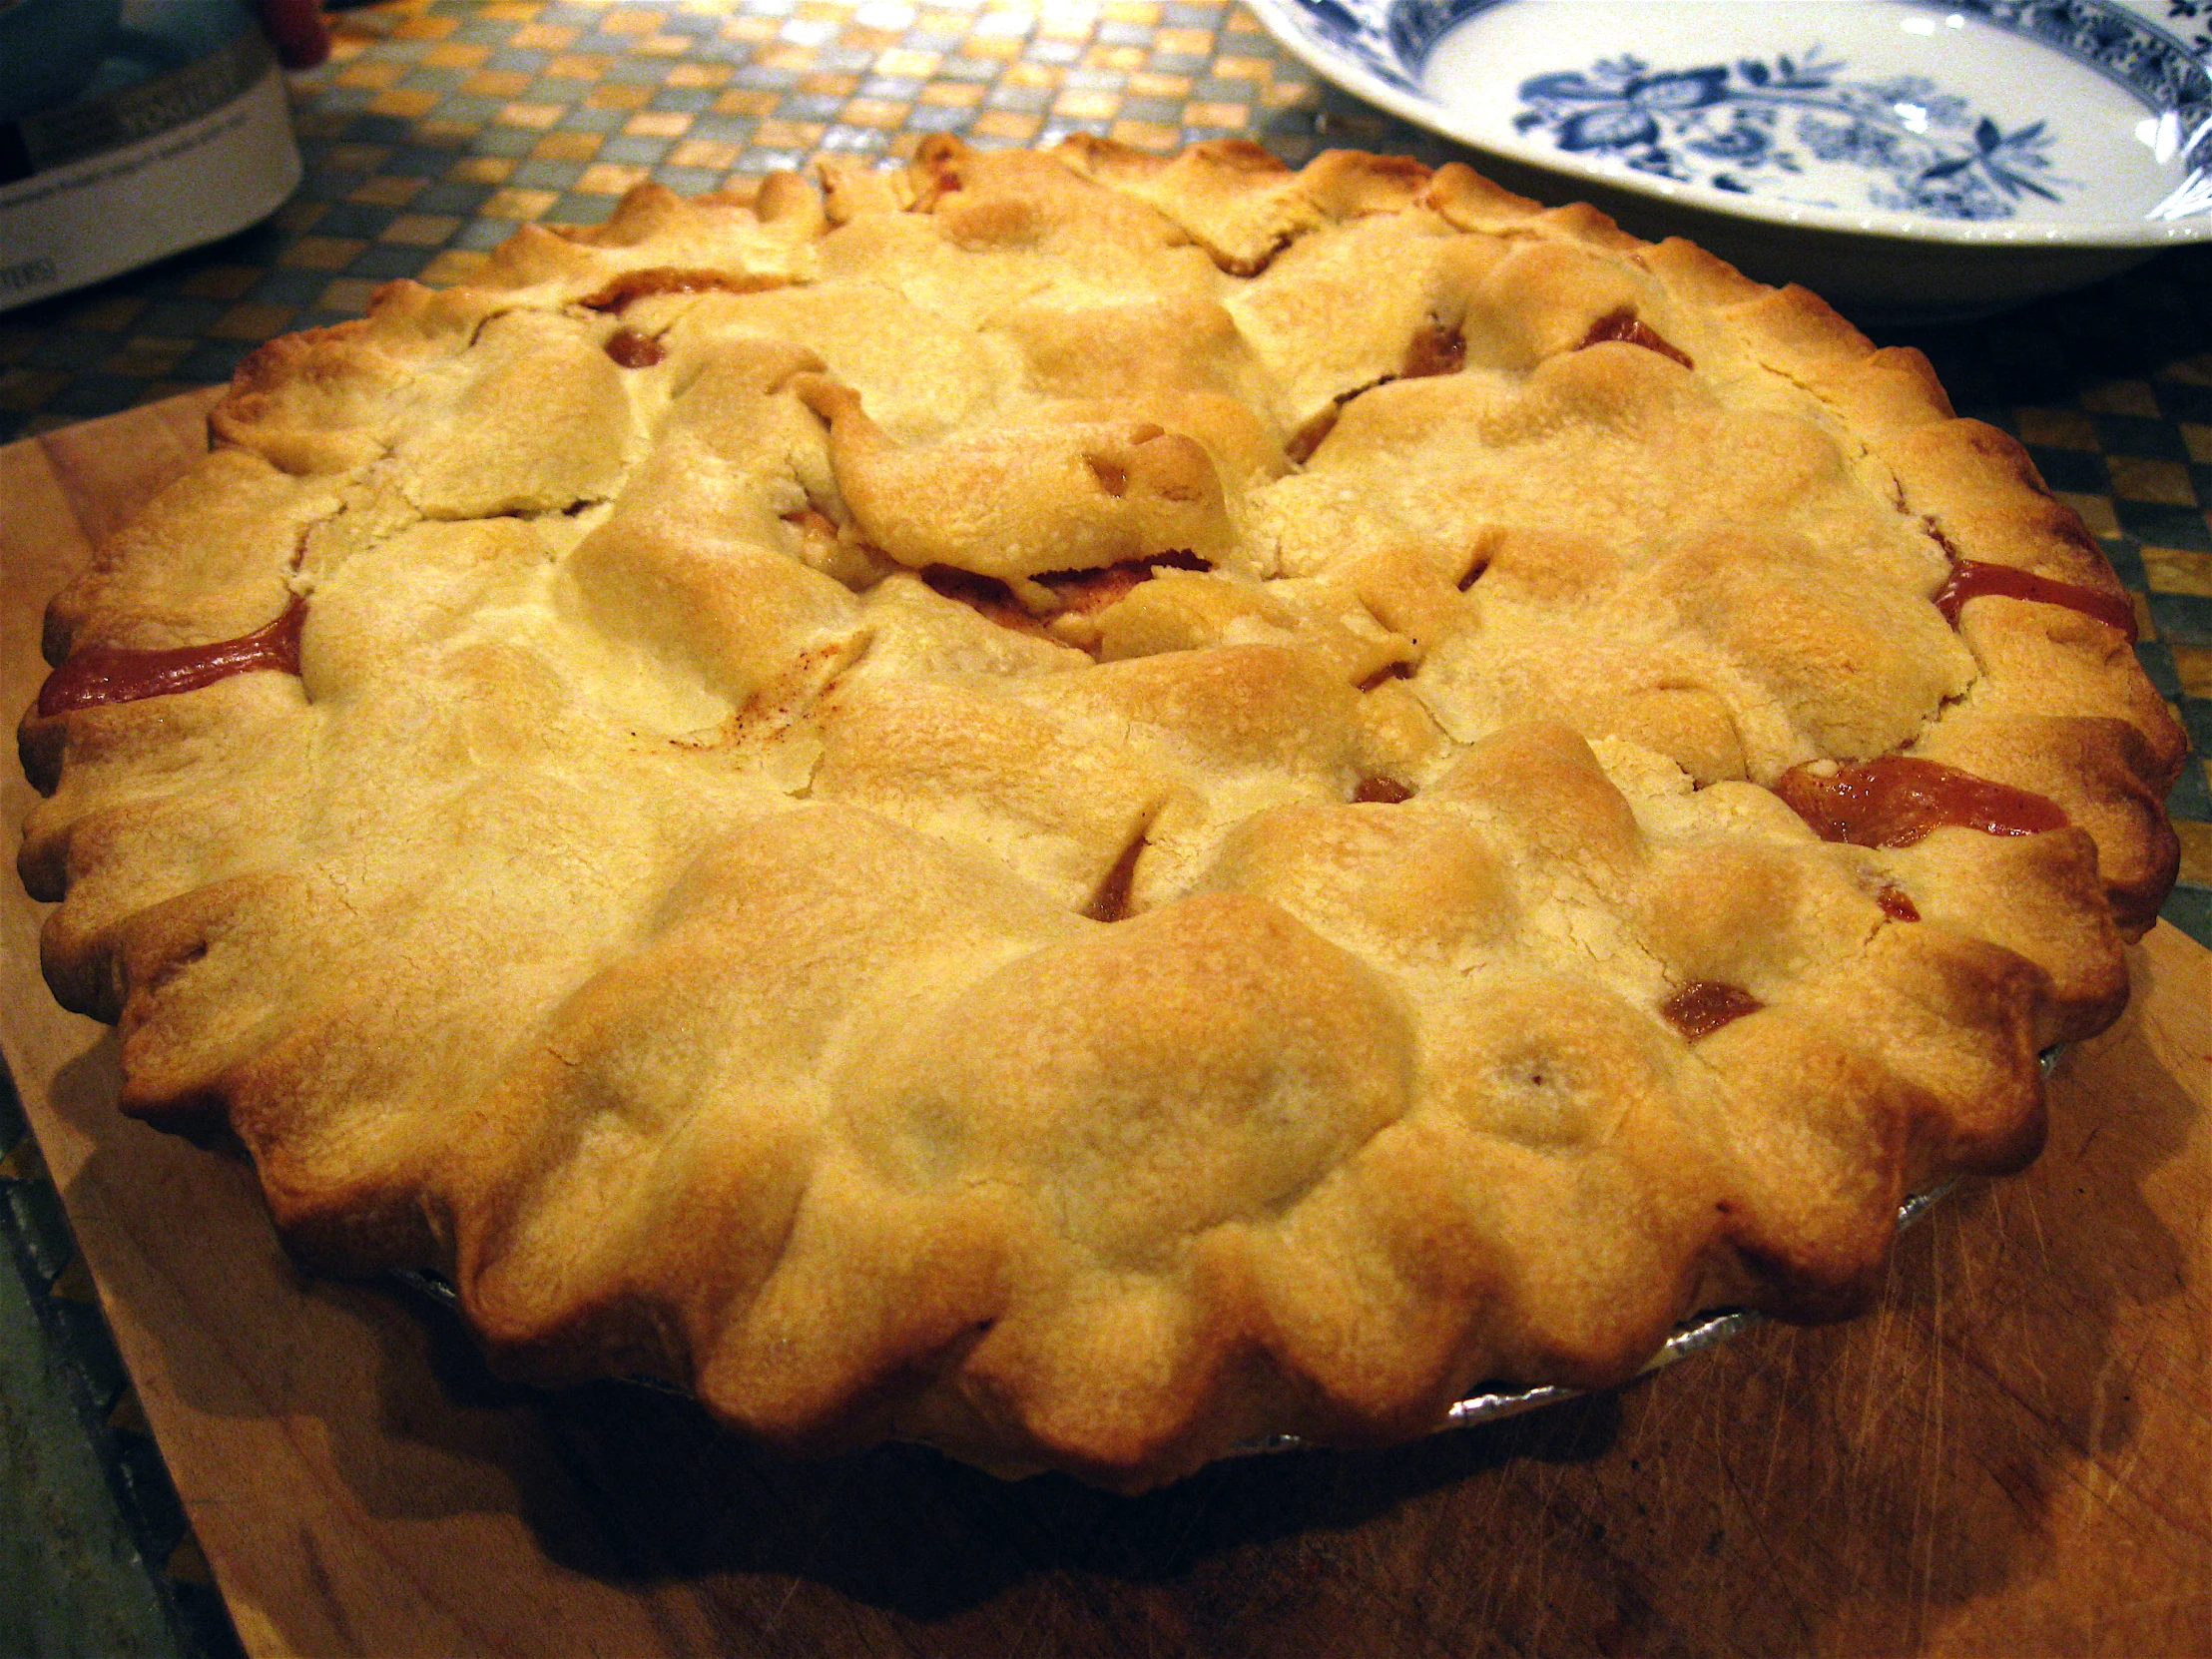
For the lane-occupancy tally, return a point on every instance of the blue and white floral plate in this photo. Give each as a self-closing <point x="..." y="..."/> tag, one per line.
<point x="1904" y="157"/>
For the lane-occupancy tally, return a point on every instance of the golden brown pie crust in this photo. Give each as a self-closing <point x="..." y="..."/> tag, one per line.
<point x="1086" y="806"/>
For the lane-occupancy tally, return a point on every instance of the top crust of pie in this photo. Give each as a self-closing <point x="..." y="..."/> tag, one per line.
<point x="1081" y="806"/>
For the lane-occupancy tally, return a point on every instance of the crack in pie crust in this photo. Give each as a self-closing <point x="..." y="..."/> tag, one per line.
<point x="1084" y="808"/>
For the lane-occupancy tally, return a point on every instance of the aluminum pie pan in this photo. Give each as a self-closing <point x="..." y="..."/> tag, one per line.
<point x="1693" y="1335"/>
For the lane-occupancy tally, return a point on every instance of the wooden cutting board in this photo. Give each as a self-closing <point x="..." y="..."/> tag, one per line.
<point x="2011" y="1456"/>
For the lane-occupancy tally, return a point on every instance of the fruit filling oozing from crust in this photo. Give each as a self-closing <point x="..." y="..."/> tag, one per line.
<point x="1897" y="905"/>
<point x="98" y="676"/>
<point x="1375" y="789"/>
<point x="1628" y="328"/>
<point x="1898" y="798"/>
<point x="632" y="350"/>
<point x="1703" y="1006"/>
<point x="1086" y="807"/>
<point x="1971" y="579"/>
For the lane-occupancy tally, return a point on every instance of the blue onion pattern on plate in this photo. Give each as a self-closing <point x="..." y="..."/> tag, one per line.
<point x="1737" y="126"/>
<point x="1910" y="158"/>
<point x="1392" y="37"/>
<point x="2194" y="20"/>
<point x="1757" y="118"/>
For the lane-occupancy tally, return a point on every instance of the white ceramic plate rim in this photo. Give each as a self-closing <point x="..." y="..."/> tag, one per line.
<point x="1282" y="21"/>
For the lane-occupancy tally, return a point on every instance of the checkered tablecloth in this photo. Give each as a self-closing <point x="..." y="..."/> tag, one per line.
<point x="440" y="125"/>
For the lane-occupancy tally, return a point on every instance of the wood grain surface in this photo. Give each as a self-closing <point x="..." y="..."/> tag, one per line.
<point x="2012" y="1454"/>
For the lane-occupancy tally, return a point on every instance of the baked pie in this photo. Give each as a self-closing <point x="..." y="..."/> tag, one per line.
<point x="1084" y="808"/>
